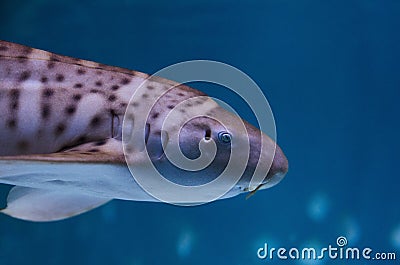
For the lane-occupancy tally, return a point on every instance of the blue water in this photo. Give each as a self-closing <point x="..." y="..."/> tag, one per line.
<point x="330" y="70"/>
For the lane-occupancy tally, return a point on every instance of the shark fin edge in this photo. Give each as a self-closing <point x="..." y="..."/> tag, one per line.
<point x="41" y="205"/>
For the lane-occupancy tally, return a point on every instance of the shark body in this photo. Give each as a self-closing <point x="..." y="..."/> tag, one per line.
<point x="61" y="134"/>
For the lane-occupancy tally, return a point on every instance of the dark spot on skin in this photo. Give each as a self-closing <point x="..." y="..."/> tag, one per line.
<point x="201" y="126"/>
<point x="99" y="72"/>
<point x="112" y="98"/>
<point x="77" y="97"/>
<point x="123" y="105"/>
<point x="44" y="79"/>
<point x="81" y="140"/>
<point x="198" y="102"/>
<point x="115" y="87"/>
<point x="48" y="92"/>
<point x="170" y="106"/>
<point x="181" y="94"/>
<point x="182" y="110"/>
<point x="45" y="111"/>
<point x="155" y="115"/>
<point x="51" y="64"/>
<point x="125" y="81"/>
<point x="95" y="121"/>
<point x="24" y="76"/>
<point x="22" y="59"/>
<point x="14" y="96"/>
<point x="23" y="145"/>
<point x="11" y="123"/>
<point x="3" y="48"/>
<point x="93" y="150"/>
<point x="70" y="110"/>
<point x="135" y="104"/>
<point x="59" y="129"/>
<point x="100" y="143"/>
<point x="81" y="71"/>
<point x="54" y="58"/>
<point x="78" y="85"/>
<point x="94" y="91"/>
<point x="27" y="50"/>
<point x="150" y="87"/>
<point x="99" y="83"/>
<point x="60" y="77"/>
<point x="189" y="104"/>
<point x="14" y="105"/>
<point x="145" y="96"/>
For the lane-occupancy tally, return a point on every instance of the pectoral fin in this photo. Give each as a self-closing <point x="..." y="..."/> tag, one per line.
<point x="42" y="205"/>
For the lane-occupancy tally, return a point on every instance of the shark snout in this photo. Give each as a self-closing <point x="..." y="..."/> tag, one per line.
<point x="278" y="170"/>
<point x="280" y="163"/>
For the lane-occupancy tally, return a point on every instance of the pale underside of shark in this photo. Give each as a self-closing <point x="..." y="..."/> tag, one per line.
<point x="61" y="134"/>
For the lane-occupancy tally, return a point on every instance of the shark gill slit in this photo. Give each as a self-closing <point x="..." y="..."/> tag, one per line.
<point x="147" y="133"/>
<point x="114" y="124"/>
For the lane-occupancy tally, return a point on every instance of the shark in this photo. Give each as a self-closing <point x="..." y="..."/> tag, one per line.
<point x="62" y="135"/>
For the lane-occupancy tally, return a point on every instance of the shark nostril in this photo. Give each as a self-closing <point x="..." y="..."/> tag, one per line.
<point x="207" y="135"/>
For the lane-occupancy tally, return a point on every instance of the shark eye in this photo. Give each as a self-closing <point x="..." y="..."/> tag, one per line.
<point x="225" y="137"/>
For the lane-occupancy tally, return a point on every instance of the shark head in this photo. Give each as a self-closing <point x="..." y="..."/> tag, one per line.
<point x="230" y="137"/>
<point x="191" y="140"/>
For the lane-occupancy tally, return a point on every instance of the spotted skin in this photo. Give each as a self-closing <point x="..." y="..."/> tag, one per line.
<point x="49" y="101"/>
<point x="61" y="134"/>
<point x="56" y="106"/>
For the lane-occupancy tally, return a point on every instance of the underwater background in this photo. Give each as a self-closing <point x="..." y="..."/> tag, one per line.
<point x="331" y="73"/>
